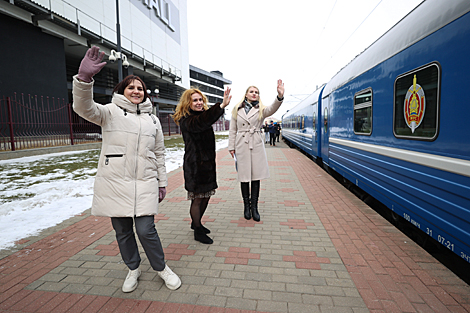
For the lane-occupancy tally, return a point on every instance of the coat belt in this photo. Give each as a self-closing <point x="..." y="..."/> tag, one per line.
<point x="249" y="135"/>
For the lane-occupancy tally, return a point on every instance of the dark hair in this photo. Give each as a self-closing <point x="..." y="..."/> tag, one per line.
<point x="126" y="82"/>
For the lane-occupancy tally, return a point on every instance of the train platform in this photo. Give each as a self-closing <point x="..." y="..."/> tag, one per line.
<point x="317" y="248"/>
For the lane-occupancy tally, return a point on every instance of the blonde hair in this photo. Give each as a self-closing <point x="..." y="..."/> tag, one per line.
<point x="182" y="109"/>
<point x="237" y="106"/>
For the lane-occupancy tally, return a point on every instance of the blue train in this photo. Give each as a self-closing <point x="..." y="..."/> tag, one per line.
<point x="395" y="122"/>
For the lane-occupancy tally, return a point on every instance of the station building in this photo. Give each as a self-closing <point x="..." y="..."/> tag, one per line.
<point x="212" y="84"/>
<point x="44" y="41"/>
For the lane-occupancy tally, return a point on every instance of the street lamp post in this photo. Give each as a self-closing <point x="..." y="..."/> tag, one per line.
<point x="118" y="31"/>
<point x="282" y="117"/>
<point x="118" y="55"/>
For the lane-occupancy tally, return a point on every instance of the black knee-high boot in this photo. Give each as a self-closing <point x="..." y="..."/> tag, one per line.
<point x="254" y="200"/>
<point x="246" y="199"/>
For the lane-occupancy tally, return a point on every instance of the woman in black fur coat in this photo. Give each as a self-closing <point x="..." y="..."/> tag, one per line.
<point x="195" y="119"/>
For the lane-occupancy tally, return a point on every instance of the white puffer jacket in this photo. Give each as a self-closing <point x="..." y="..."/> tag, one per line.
<point x="132" y="160"/>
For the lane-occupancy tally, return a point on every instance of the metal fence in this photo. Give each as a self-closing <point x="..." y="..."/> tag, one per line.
<point x="37" y="122"/>
<point x="169" y="126"/>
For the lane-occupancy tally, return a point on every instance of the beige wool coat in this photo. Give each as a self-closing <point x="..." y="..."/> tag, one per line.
<point x="131" y="167"/>
<point x="246" y="139"/>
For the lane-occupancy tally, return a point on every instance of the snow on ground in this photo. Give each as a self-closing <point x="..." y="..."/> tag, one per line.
<point x="39" y="192"/>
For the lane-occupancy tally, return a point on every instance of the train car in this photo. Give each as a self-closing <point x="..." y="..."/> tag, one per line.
<point x="395" y="121"/>
<point x="300" y="128"/>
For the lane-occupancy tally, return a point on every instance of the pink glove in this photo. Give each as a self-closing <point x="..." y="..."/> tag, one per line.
<point x="161" y="193"/>
<point x="91" y="65"/>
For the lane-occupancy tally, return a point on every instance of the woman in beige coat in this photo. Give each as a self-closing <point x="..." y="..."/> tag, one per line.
<point x="131" y="176"/>
<point x="247" y="145"/>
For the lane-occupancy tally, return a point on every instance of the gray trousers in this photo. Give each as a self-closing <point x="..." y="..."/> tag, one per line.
<point x="148" y="237"/>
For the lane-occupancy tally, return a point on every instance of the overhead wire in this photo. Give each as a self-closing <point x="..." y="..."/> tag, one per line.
<point x="328" y="61"/>
<point x="323" y="29"/>
<point x="327" y="19"/>
<point x="357" y="28"/>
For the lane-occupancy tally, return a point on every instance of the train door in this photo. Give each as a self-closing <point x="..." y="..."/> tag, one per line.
<point x="324" y="128"/>
<point x="314" y="143"/>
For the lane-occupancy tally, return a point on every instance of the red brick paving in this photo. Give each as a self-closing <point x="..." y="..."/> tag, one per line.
<point x="224" y="188"/>
<point x="160" y="217"/>
<point x="386" y="270"/>
<point x="288" y="189"/>
<point x="237" y="255"/>
<point x="216" y="200"/>
<point x="109" y="250"/>
<point x="296" y="224"/>
<point x="176" y="251"/>
<point x="176" y="199"/>
<point x="204" y="219"/>
<point x="22" y="241"/>
<point x="16" y="273"/>
<point x="284" y="180"/>
<point x="291" y="203"/>
<point x="306" y="260"/>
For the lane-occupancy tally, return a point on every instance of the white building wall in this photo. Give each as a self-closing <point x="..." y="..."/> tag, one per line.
<point x="184" y="38"/>
<point x="141" y="30"/>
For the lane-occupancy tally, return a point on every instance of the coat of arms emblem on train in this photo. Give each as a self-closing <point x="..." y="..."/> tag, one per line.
<point x="414" y="106"/>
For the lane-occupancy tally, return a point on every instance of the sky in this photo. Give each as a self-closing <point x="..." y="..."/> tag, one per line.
<point x="39" y="192"/>
<point x="304" y="43"/>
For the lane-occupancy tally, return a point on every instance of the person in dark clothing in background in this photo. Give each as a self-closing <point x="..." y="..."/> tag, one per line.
<point x="272" y="134"/>
<point x="266" y="131"/>
<point x="278" y="130"/>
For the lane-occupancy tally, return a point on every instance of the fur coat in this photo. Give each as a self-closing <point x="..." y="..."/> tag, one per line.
<point x="199" y="149"/>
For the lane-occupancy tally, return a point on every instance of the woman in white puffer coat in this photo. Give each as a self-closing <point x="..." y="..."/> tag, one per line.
<point x="131" y="176"/>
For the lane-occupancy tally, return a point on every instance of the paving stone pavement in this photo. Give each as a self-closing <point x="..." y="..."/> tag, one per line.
<point x="317" y="249"/>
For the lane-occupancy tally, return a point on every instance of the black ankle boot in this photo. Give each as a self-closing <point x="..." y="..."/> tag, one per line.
<point x="254" y="200"/>
<point x="206" y="230"/>
<point x="246" y="200"/>
<point x="201" y="236"/>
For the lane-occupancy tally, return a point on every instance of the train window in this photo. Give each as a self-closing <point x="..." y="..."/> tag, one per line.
<point x="363" y="112"/>
<point x="416" y="103"/>
<point x="314" y="122"/>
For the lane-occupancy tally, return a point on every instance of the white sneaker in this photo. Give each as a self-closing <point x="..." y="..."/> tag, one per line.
<point x="172" y="281"/>
<point x="131" y="280"/>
